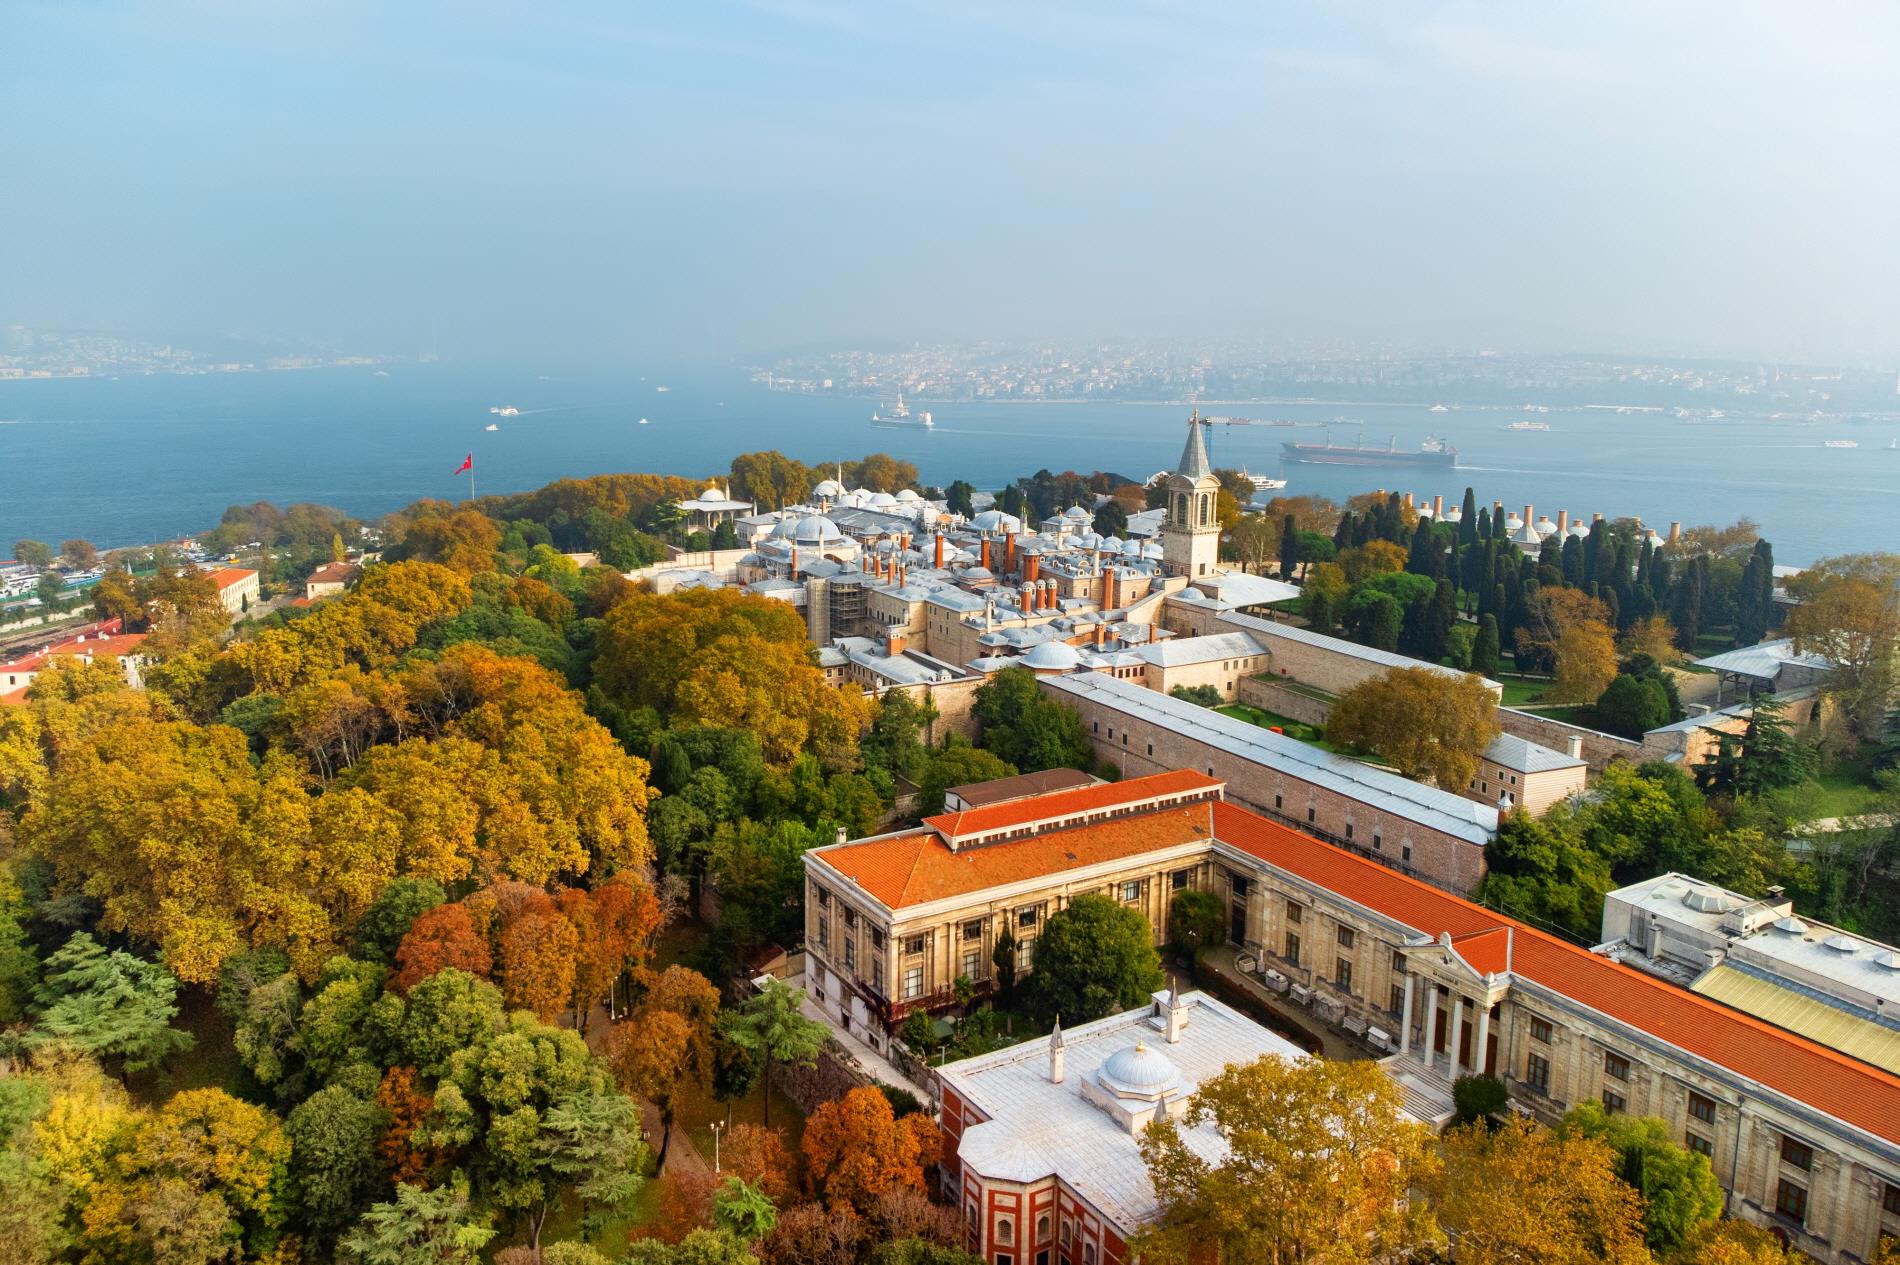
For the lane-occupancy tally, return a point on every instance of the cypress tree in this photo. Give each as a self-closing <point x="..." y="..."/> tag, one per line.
<point x="1439" y="618"/>
<point x="1342" y="534"/>
<point x="1289" y="548"/>
<point x="1484" y="651"/>
<point x="1685" y="608"/>
<point x="1423" y="560"/>
<point x="1484" y="524"/>
<point x="1468" y="519"/>
<point x="1573" y="560"/>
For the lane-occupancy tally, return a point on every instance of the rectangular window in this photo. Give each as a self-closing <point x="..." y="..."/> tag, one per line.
<point x="1540" y="1030"/>
<point x="1294" y="913"/>
<point x="1791" y="1201"/>
<point x="913" y="945"/>
<point x="1890" y="1199"/>
<point x="824" y="932"/>
<point x="1701" y="1107"/>
<point x="1699" y="1144"/>
<point x="1178" y="880"/>
<point x="1348" y="832"/>
<point x="1537" y="1073"/>
<point x="1405" y="853"/>
<point x="1398" y="963"/>
<point x="1342" y="975"/>
<point x="1312" y="814"/>
<point x="1398" y="1000"/>
<point x="972" y="964"/>
<point x="824" y="899"/>
<point x="1378" y="842"/>
<point x="1027" y="917"/>
<point x="1292" y="948"/>
<point x="1616" y="1065"/>
<point x="1344" y="935"/>
<point x="851" y="919"/>
<point x="1025" y="953"/>
<point x="973" y="930"/>
<point x="914" y="982"/>
<point x="1238" y="884"/>
<point x="850" y="954"/>
<point x="1614" y="1102"/>
<point x="1799" y="1154"/>
<point x="1278" y="802"/>
<point x="1131" y="890"/>
<point x="877" y="938"/>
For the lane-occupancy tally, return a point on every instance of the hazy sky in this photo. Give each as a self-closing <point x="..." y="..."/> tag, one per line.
<point x="710" y="179"/>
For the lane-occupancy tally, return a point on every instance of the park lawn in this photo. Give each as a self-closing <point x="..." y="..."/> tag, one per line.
<point x="1521" y="690"/>
<point x="693" y="1120"/>
<point x="1268" y="720"/>
<point x="564" y="1223"/>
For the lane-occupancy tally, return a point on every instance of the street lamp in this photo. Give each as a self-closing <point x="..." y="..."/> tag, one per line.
<point x="717" y="1125"/>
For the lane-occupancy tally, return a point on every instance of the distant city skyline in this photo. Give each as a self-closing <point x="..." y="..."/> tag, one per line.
<point x="718" y="181"/>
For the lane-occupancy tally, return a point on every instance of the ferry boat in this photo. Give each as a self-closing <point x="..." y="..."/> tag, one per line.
<point x="1434" y="453"/>
<point x="1840" y="443"/>
<point x="1261" y="482"/>
<point x="900" y="416"/>
<point x="1528" y="425"/>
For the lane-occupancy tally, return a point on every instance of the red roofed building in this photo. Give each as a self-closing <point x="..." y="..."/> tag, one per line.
<point x="103" y="640"/>
<point x="1805" y="1139"/>
<point x="330" y="579"/>
<point x="237" y="588"/>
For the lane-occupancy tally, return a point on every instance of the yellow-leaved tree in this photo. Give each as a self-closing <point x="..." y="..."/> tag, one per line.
<point x="1319" y="1164"/>
<point x="1431" y="724"/>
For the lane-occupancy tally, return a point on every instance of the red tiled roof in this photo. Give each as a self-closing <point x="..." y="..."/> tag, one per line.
<point x="331" y="572"/>
<point x="227" y="576"/>
<point x="918" y="867"/>
<point x="1855" y="1092"/>
<point x="1085" y="799"/>
<point x="1486" y="952"/>
<point x="97" y="646"/>
<point x="15" y="698"/>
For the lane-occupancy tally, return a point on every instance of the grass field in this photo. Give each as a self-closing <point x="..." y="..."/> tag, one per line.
<point x="1269" y="720"/>
<point x="1521" y="690"/>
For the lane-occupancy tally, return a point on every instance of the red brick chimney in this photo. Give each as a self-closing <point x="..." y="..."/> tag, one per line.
<point x="896" y="641"/>
<point x="1009" y="553"/>
<point x="794" y="562"/>
<point x="939" y="551"/>
<point x="1032" y="566"/>
<point x="986" y="553"/>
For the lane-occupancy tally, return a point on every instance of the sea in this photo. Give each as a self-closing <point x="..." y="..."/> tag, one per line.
<point x="136" y="459"/>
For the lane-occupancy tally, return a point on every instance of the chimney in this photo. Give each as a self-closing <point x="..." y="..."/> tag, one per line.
<point x="895" y="642"/>
<point x="1596" y="518"/>
<point x="939" y="551"/>
<point x="986" y="553"/>
<point x="1009" y="552"/>
<point x="1675" y="533"/>
<point x="1563" y="521"/>
<point x="794" y="562"/>
<point x="1576" y="747"/>
<point x="1438" y="506"/>
<point x="1528" y="519"/>
<point x="1032" y="566"/>
<point x="842" y="837"/>
<point x="1056" y="1052"/>
<point x="1177" y="1015"/>
<point x="1108" y="594"/>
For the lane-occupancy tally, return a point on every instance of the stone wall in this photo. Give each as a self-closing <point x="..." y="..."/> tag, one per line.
<point x="829" y="1079"/>
<point x="1599" y="749"/>
<point x="1275" y="696"/>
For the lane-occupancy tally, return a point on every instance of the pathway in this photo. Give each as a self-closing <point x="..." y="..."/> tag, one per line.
<point x="859" y="1055"/>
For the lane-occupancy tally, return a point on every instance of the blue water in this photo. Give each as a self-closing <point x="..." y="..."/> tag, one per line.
<point x="137" y="459"/>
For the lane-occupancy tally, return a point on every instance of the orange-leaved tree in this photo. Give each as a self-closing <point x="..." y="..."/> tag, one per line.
<point x="856" y="1148"/>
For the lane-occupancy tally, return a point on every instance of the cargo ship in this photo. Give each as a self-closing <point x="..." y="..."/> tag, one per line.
<point x="1434" y="453"/>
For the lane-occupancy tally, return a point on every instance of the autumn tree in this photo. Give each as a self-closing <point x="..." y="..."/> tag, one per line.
<point x="78" y="554"/>
<point x="758" y="1155"/>
<point x="1320" y="1162"/>
<point x="1680" y="1194"/>
<point x="856" y="1149"/>
<point x="536" y="962"/>
<point x="1430" y="724"/>
<point x="1652" y="635"/>
<point x="771" y="480"/>
<point x="441" y="938"/>
<point x="1848" y="612"/>
<point x="813" y="1234"/>
<point x="1568" y="632"/>
<point x="1520" y="1192"/>
<point x="1727" y="1242"/>
<point x="401" y="1148"/>
<point x="461" y="539"/>
<point x="649" y="1059"/>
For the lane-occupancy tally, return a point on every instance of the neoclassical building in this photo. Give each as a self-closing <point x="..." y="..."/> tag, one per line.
<point x="1805" y="1139"/>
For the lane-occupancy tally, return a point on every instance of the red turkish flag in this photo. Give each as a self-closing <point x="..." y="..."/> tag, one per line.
<point x="468" y="463"/>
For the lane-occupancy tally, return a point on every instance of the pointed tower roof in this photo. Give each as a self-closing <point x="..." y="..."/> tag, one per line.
<point x="1194" y="464"/>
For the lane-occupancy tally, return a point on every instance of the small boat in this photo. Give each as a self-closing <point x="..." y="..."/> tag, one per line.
<point x="1528" y="425"/>
<point x="506" y="410"/>
<point x="1439" y="408"/>
<point x="643" y="421"/>
<point x="1261" y="482"/>
<point x="491" y="426"/>
<point x="1840" y="443"/>
<point x="662" y="390"/>
<point x="1893" y="445"/>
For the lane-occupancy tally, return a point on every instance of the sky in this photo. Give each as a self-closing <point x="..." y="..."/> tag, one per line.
<point x="608" y="182"/>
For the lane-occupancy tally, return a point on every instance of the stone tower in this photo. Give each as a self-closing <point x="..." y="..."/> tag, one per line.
<point x="1190" y="535"/>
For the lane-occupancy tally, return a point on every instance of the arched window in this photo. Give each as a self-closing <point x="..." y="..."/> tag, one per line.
<point x="1042" y="1228"/>
<point x="1005" y="1231"/>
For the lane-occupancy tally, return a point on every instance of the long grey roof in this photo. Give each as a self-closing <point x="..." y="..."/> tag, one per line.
<point x="1764" y="660"/>
<point x="1266" y="630"/>
<point x="1180" y="651"/>
<point x="1387" y="792"/>
<point x="1194" y="463"/>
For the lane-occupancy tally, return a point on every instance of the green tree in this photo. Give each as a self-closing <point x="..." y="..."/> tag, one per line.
<point x="1632" y="706"/>
<point x="1484" y="652"/>
<point x="957" y="764"/>
<point x="108" y="1004"/>
<point x="389" y="917"/>
<point x="920" y="1252"/>
<point x="1111" y="519"/>
<point x="771" y="1024"/>
<point x="591" y="1142"/>
<point x="1025" y="727"/>
<point x="333" y="1164"/>
<point x="1199" y="695"/>
<point x="957" y="498"/>
<point x="1196" y="921"/>
<point x="1094" y="957"/>
<point x="1003" y="958"/>
<point x="701" y="1247"/>
<point x="420" y="1227"/>
<point x="34" y="553"/>
<point x="743" y="1211"/>
<point x="1680" y="1193"/>
<point x="1289" y="547"/>
<point x="1478" y="1098"/>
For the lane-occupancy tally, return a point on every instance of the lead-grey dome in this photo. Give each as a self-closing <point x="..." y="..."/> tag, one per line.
<point x="1139" y="1072"/>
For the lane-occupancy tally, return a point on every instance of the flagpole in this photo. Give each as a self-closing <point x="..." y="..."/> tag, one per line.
<point x="471" y="480"/>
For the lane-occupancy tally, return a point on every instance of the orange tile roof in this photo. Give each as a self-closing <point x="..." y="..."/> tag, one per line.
<point x="1486" y="952"/>
<point x="917" y="867"/>
<point x="15" y="698"/>
<point x="116" y="644"/>
<point x="227" y="576"/>
<point x="1083" y="799"/>
<point x="1849" y="1090"/>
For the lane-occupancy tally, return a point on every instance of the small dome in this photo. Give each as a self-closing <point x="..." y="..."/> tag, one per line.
<point x="1053" y="656"/>
<point x="784" y="528"/>
<point x="996" y="520"/>
<point x="881" y="500"/>
<point x="1076" y="514"/>
<point x="830" y="487"/>
<point x="1888" y="959"/>
<point x="1706" y="900"/>
<point x="815" y="529"/>
<point x="1139" y="1072"/>
<point x="908" y="497"/>
<point x="712" y="493"/>
<point x="978" y="573"/>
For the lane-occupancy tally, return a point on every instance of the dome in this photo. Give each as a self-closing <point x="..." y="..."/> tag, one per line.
<point x="978" y="573"/>
<point x="830" y="487"/>
<point x="712" y="493"/>
<point x="881" y="500"/>
<point x="907" y="496"/>
<point x="1840" y="944"/>
<point x="1053" y="656"/>
<point x="1139" y="1072"/>
<point x="815" y="529"/>
<point x="996" y="520"/>
<point x="1887" y="959"/>
<point x="1076" y="514"/>
<point x="783" y="529"/>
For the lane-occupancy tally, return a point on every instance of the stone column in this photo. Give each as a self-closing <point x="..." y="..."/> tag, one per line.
<point x="1457" y="1028"/>
<point x="1405" y="1019"/>
<point x="1431" y="1020"/>
<point x="1484" y="1036"/>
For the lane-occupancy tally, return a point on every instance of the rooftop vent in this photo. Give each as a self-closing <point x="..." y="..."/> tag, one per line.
<point x="1792" y="925"/>
<point x="1840" y="944"/>
<point x="1887" y="958"/>
<point x="1706" y="900"/>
